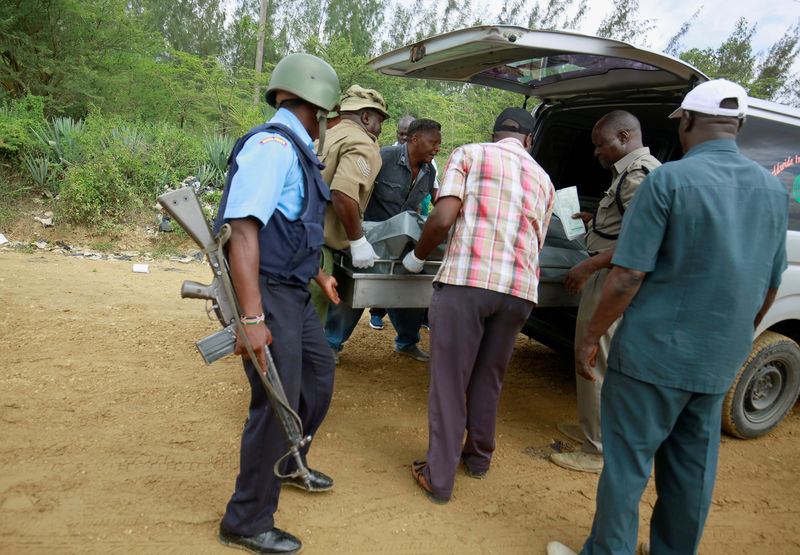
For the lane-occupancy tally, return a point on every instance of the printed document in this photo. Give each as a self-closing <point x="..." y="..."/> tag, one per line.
<point x="567" y="204"/>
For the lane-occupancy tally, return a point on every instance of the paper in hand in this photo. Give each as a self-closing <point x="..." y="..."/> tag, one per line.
<point x="567" y="204"/>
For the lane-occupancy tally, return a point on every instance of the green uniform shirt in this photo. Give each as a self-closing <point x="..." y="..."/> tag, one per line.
<point x="710" y="231"/>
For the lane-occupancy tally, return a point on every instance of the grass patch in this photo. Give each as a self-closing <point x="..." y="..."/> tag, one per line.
<point x="102" y="245"/>
<point x="171" y="244"/>
<point x="13" y="191"/>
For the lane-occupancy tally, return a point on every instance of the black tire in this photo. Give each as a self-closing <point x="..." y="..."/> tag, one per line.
<point x="765" y="389"/>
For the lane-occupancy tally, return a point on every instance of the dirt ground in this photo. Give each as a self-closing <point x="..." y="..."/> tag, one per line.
<point x="116" y="438"/>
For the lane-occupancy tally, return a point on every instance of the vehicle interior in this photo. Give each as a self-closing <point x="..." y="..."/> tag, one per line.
<point x="563" y="147"/>
<point x="563" y="144"/>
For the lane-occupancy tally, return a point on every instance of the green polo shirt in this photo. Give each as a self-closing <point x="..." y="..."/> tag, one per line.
<point x="710" y="231"/>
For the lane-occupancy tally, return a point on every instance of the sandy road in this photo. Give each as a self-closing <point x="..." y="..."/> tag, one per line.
<point x="115" y="437"/>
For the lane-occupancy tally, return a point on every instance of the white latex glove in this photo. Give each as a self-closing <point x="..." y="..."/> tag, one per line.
<point x="412" y="263"/>
<point x="362" y="253"/>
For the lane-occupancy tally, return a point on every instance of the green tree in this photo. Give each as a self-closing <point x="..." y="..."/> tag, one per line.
<point x="54" y="48"/>
<point x="351" y="67"/>
<point x="242" y="32"/>
<point x="410" y="24"/>
<point x="767" y="76"/>
<point x="242" y="35"/>
<point x="355" y="20"/>
<point x="305" y="23"/>
<point x="790" y="92"/>
<point x="674" y="46"/>
<point x="624" y="23"/>
<point x="773" y="71"/>
<point x="557" y="14"/>
<point x="193" y="26"/>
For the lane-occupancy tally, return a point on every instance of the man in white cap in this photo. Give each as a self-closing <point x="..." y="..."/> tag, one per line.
<point x="697" y="264"/>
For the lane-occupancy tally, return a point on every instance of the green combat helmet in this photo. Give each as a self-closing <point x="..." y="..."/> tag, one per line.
<point x="309" y="78"/>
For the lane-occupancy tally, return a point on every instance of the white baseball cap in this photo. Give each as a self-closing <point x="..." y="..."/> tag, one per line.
<point x="706" y="98"/>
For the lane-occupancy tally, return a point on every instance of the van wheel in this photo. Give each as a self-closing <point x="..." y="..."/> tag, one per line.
<point x="765" y="389"/>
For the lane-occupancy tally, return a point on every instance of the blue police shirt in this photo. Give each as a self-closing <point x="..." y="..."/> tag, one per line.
<point x="269" y="175"/>
<point x="710" y="231"/>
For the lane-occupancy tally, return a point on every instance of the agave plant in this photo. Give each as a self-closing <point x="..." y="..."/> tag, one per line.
<point x="205" y="174"/>
<point x="67" y="127"/>
<point x="132" y="138"/>
<point x="218" y="148"/>
<point x="60" y="138"/>
<point x="39" y="168"/>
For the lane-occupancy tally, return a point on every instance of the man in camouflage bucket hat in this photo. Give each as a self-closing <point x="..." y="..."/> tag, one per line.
<point x="352" y="159"/>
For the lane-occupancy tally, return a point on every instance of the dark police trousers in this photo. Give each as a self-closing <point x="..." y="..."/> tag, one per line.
<point x="305" y="365"/>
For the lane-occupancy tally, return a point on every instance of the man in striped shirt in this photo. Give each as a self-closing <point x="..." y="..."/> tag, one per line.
<point x="500" y="202"/>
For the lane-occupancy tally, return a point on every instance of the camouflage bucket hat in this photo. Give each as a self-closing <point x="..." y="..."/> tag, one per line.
<point x="358" y="98"/>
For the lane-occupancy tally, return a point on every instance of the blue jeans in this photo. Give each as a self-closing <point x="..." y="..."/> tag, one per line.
<point x="342" y="320"/>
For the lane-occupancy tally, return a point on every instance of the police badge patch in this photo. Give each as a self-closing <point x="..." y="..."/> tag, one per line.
<point x="275" y="138"/>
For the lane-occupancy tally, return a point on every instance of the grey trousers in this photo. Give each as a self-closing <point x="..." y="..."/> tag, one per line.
<point x="589" y="392"/>
<point x="473" y="332"/>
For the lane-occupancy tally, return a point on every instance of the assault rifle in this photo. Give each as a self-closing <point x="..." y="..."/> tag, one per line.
<point x="184" y="207"/>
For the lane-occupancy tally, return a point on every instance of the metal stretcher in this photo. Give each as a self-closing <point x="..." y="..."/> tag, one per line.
<point x="385" y="285"/>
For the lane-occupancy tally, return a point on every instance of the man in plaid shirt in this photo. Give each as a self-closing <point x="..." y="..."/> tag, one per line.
<point x="500" y="201"/>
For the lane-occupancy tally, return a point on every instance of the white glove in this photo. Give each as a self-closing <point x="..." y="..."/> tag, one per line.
<point x="412" y="263"/>
<point x="362" y="253"/>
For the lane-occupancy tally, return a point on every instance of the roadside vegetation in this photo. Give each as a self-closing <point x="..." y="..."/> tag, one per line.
<point x="104" y="104"/>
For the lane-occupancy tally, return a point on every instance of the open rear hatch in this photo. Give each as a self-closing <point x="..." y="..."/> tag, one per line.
<point x="551" y="65"/>
<point x="554" y="66"/>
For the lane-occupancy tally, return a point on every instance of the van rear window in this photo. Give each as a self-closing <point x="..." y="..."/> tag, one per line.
<point x="549" y="69"/>
<point x="776" y="147"/>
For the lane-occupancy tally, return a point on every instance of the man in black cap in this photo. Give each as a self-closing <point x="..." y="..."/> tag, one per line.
<point x="500" y="201"/>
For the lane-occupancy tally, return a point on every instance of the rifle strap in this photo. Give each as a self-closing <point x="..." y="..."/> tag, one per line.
<point x="275" y="393"/>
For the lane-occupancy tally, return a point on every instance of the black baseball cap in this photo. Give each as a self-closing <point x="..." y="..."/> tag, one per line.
<point x="521" y="117"/>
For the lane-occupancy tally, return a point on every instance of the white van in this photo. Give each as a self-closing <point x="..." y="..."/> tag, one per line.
<point x="578" y="79"/>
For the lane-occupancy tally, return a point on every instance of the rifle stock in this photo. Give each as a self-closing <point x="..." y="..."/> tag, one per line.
<point x="184" y="207"/>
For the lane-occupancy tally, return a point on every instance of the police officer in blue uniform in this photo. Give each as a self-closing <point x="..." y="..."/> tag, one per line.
<point x="275" y="200"/>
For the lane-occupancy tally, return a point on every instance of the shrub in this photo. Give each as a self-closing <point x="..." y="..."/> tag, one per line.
<point x="124" y="167"/>
<point x="16" y="120"/>
<point x="96" y="193"/>
<point x="210" y="203"/>
<point x="176" y="153"/>
<point x="243" y="116"/>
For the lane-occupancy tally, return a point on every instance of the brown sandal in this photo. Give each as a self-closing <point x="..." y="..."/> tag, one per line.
<point x="419" y="477"/>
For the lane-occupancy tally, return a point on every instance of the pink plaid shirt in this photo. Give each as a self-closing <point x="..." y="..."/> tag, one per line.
<point x="506" y="203"/>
